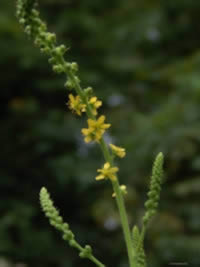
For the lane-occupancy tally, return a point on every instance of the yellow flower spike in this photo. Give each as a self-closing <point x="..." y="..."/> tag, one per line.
<point x="107" y="172"/>
<point x="95" y="103"/>
<point x="119" y="151"/>
<point x="76" y="105"/>
<point x="123" y="190"/>
<point x="95" y="130"/>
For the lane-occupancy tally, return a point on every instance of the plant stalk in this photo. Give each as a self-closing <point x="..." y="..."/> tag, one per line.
<point x="124" y="222"/>
<point x="116" y="188"/>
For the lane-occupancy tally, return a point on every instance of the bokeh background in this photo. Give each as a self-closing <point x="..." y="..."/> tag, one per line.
<point x="142" y="57"/>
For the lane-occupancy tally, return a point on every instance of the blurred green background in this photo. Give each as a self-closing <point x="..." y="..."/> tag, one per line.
<point x="143" y="59"/>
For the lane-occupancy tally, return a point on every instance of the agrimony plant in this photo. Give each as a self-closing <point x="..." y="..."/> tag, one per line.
<point x="83" y="100"/>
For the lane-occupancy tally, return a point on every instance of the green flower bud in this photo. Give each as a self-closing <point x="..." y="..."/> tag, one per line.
<point x="65" y="227"/>
<point x="52" y="60"/>
<point x="88" y="249"/>
<point x="74" y="66"/>
<point x="35" y="13"/>
<point x="88" y="91"/>
<point x="82" y="255"/>
<point x="58" y="68"/>
<point x="22" y="21"/>
<point x="45" y="50"/>
<point x="69" y="84"/>
<point x="72" y="243"/>
<point x="37" y="41"/>
<point x="77" y="79"/>
<point x="51" y="38"/>
<point x="27" y="30"/>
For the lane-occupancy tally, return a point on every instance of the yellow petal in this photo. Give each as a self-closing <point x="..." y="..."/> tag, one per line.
<point x="88" y="139"/>
<point x="114" y="169"/>
<point x="94" y="112"/>
<point x="106" y="165"/>
<point x="71" y="97"/>
<point x="112" y="146"/>
<point x="98" y="136"/>
<point x="101" y="119"/>
<point x="98" y="104"/>
<point x="112" y="177"/>
<point x="83" y="108"/>
<point x="93" y="99"/>
<point x="100" y="177"/>
<point x="85" y="131"/>
<point x="113" y="195"/>
<point x="106" y="125"/>
<point x="119" y="151"/>
<point x="91" y="122"/>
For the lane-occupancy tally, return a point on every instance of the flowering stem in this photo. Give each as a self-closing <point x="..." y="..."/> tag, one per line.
<point x="36" y="29"/>
<point x="115" y="184"/>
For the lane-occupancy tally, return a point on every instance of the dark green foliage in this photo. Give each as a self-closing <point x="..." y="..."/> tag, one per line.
<point x="143" y="59"/>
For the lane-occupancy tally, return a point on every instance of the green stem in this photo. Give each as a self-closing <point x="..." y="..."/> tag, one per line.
<point x="115" y="184"/>
<point x="105" y="151"/>
<point x="97" y="262"/>
<point x="121" y="206"/>
<point x="124" y="222"/>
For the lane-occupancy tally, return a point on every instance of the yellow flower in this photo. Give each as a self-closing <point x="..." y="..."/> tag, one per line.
<point x="119" y="151"/>
<point x="107" y="172"/>
<point x="123" y="190"/>
<point x="95" y="130"/>
<point x="95" y="104"/>
<point x="76" y="105"/>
